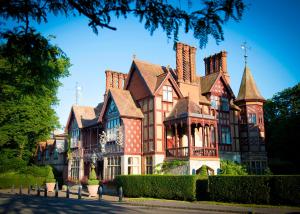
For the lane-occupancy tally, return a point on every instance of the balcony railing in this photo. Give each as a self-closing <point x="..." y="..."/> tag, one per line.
<point x="178" y="152"/>
<point x="204" y="152"/>
<point x="196" y="151"/>
<point x="114" y="148"/>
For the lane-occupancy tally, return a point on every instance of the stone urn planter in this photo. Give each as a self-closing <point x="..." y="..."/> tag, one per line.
<point x="93" y="190"/>
<point x="50" y="180"/>
<point x="50" y="186"/>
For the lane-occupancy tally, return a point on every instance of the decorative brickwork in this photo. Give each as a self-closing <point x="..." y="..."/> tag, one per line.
<point x="166" y="114"/>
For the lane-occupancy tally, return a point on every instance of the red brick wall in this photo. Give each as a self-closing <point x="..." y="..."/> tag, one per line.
<point x="133" y="136"/>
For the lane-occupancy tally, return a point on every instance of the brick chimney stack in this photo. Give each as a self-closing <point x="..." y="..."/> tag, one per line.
<point x="217" y="63"/>
<point x="114" y="80"/>
<point x="185" y="63"/>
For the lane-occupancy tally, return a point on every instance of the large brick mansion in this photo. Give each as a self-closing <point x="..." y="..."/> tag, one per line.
<point x="154" y="114"/>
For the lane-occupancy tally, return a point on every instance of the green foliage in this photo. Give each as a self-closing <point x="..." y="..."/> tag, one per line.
<point x="268" y="171"/>
<point x="8" y="179"/>
<point x="243" y="189"/>
<point x="282" y="116"/>
<point x="166" y="166"/>
<point x="203" y="170"/>
<point x="232" y="168"/>
<point x="36" y="171"/>
<point x="11" y="163"/>
<point x="205" y="19"/>
<point x="285" y="190"/>
<point x="50" y="177"/>
<point x="30" y="70"/>
<point x="93" y="178"/>
<point x="256" y="189"/>
<point x="182" y="187"/>
<point x="28" y="175"/>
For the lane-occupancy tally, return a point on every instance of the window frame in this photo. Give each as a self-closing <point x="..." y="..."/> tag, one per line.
<point x="167" y="93"/>
<point x="225" y="104"/>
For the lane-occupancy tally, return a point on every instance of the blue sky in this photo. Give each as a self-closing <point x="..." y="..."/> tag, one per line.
<point x="269" y="27"/>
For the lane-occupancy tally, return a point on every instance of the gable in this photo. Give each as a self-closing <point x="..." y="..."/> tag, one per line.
<point x="71" y="123"/>
<point x="168" y="82"/>
<point x="111" y="109"/>
<point x="137" y="86"/>
<point x="221" y="88"/>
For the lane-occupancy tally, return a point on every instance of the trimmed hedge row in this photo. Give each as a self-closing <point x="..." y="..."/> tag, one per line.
<point x="28" y="175"/>
<point x="285" y="189"/>
<point x="12" y="178"/>
<point x="281" y="189"/>
<point x="182" y="187"/>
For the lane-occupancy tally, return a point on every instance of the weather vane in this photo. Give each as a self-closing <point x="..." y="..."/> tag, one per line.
<point x="245" y="47"/>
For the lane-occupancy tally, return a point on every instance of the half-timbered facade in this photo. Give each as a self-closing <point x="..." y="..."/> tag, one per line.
<point x="155" y="114"/>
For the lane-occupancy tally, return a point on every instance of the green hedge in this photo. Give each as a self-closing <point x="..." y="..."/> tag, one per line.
<point x="285" y="189"/>
<point x="256" y="189"/>
<point x="182" y="187"/>
<point x="12" y="178"/>
<point x="28" y="175"/>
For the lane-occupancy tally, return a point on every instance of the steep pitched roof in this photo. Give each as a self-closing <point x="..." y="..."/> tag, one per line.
<point x="208" y="81"/>
<point x="151" y="73"/>
<point x="85" y="116"/>
<point x="183" y="107"/>
<point x="248" y="89"/>
<point x="124" y="102"/>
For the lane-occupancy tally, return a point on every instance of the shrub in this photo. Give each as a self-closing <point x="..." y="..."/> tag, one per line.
<point x="232" y="168"/>
<point x="36" y="171"/>
<point x="167" y="166"/>
<point x="159" y="186"/>
<point x="244" y="189"/>
<point x="11" y="164"/>
<point x="285" y="189"/>
<point x="203" y="170"/>
<point x="93" y="178"/>
<point x="50" y="177"/>
<point x="13" y="178"/>
<point x="277" y="189"/>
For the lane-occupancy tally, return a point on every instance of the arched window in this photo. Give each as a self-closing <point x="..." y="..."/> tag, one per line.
<point x="212" y="135"/>
<point x="206" y="132"/>
<point x="199" y="136"/>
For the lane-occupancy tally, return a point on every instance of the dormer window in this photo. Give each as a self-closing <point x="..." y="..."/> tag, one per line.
<point x="167" y="93"/>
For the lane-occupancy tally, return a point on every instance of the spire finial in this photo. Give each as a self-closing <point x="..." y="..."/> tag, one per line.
<point x="245" y="47"/>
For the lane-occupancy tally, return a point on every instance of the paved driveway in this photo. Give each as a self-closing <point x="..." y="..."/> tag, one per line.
<point x="32" y="204"/>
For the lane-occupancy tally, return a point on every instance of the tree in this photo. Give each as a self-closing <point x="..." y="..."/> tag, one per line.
<point x="204" y="19"/>
<point x="282" y="116"/>
<point x="30" y="69"/>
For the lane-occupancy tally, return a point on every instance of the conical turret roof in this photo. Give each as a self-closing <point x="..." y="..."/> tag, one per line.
<point x="248" y="89"/>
